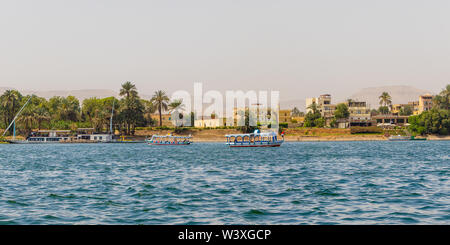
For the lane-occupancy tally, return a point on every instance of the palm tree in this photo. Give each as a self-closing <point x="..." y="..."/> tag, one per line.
<point x="41" y="115"/>
<point x="160" y="100"/>
<point x="313" y="107"/>
<point x="10" y="103"/>
<point x="128" y="89"/>
<point x="385" y="99"/>
<point x="28" y="118"/>
<point x="176" y="105"/>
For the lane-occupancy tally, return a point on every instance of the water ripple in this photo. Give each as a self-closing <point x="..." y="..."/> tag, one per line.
<point x="298" y="183"/>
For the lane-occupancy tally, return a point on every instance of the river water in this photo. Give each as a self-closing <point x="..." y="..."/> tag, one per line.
<point x="209" y="183"/>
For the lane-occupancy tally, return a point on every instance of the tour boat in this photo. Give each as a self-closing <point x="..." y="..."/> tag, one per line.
<point x="170" y="140"/>
<point x="256" y="139"/>
<point x="403" y="138"/>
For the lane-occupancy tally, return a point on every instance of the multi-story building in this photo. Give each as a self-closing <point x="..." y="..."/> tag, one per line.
<point x="358" y="110"/>
<point x="415" y="107"/>
<point x="359" y="114"/>
<point x="324" y="106"/>
<point x="425" y="103"/>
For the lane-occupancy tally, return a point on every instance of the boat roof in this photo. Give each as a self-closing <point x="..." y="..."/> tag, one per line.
<point x="252" y="134"/>
<point x="171" y="136"/>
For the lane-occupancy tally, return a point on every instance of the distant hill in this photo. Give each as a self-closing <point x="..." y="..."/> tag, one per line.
<point x="80" y="94"/>
<point x="399" y="94"/>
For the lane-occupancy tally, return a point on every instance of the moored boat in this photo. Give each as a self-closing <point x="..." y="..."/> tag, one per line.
<point x="256" y="139"/>
<point x="170" y="140"/>
<point x="403" y="138"/>
<point x="398" y="138"/>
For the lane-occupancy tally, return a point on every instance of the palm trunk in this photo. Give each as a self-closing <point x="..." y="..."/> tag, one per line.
<point x="160" y="115"/>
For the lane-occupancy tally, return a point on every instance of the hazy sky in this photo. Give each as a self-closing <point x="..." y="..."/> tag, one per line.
<point x="302" y="48"/>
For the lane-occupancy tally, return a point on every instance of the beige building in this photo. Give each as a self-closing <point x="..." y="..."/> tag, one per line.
<point x="166" y="119"/>
<point x="324" y="105"/>
<point x="208" y="123"/>
<point x="309" y="102"/>
<point x="285" y="116"/>
<point x="396" y="108"/>
<point x="358" y="110"/>
<point x="425" y="103"/>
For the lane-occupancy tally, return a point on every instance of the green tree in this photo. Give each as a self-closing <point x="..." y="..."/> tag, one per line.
<point x="10" y="103"/>
<point x="383" y="110"/>
<point x="442" y="100"/>
<point x="385" y="99"/>
<point x="341" y="111"/>
<point x="314" y="120"/>
<point x="407" y="110"/>
<point x="435" y="121"/>
<point x="160" y="100"/>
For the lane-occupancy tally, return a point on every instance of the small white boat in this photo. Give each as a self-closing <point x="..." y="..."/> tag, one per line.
<point x="399" y="138"/>
<point x="170" y="140"/>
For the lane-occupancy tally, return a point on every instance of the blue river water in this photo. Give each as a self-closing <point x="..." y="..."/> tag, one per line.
<point x="209" y="183"/>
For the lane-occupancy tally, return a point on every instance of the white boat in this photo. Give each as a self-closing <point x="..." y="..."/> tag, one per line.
<point x="256" y="139"/>
<point x="170" y="140"/>
<point x="399" y="138"/>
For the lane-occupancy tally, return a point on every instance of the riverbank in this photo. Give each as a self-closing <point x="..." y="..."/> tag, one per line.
<point x="291" y="135"/>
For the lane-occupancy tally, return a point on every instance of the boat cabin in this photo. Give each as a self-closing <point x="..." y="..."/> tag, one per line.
<point x="89" y="134"/>
<point x="49" y="136"/>
<point x="254" y="139"/>
<point x="170" y="140"/>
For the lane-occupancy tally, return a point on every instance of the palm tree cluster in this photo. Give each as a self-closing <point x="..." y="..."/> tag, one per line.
<point x="130" y="111"/>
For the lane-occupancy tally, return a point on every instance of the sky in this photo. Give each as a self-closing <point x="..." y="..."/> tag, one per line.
<point x="300" y="48"/>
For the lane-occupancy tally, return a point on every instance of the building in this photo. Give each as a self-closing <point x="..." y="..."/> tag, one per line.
<point x="309" y="102"/>
<point x="387" y="120"/>
<point x="323" y="104"/>
<point x="358" y="110"/>
<point x="285" y="116"/>
<point x="425" y="102"/>
<point x="166" y="119"/>
<point x="359" y="114"/>
<point x="397" y="108"/>
<point x="325" y="107"/>
<point x="415" y="106"/>
<point x="208" y="123"/>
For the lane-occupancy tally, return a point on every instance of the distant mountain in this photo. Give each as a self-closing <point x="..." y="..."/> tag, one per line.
<point x="399" y="94"/>
<point x="80" y="94"/>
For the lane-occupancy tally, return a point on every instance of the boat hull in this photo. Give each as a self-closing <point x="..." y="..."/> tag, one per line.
<point x="167" y="144"/>
<point x="271" y="145"/>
